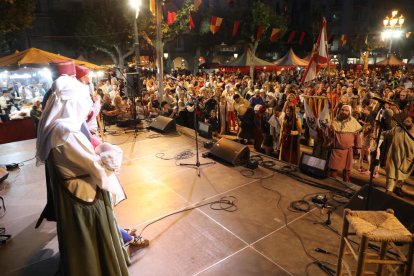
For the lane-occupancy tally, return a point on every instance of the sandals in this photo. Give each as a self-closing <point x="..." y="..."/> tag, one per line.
<point x="139" y="242"/>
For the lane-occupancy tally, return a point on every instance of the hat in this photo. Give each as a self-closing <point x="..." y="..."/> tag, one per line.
<point x="81" y="71"/>
<point x="260" y="108"/>
<point x="63" y="67"/>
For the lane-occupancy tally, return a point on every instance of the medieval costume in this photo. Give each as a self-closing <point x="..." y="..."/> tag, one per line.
<point x="400" y="158"/>
<point x="246" y="117"/>
<point x="78" y="180"/>
<point x="289" y="139"/>
<point x="345" y="138"/>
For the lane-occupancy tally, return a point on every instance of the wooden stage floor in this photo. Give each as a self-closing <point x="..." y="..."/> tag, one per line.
<point x="253" y="240"/>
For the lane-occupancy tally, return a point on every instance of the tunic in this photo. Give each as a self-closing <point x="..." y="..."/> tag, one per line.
<point x="346" y="137"/>
<point x="400" y="158"/>
<point x="89" y="240"/>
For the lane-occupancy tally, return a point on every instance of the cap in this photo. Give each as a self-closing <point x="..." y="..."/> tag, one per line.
<point x="81" y="71"/>
<point x="63" y="67"/>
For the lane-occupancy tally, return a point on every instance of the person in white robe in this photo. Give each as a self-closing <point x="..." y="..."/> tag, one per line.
<point x="79" y="180"/>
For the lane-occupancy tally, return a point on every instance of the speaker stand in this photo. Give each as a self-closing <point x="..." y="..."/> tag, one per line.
<point x="197" y="164"/>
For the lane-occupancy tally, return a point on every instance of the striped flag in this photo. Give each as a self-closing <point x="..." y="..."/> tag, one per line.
<point x="343" y="40"/>
<point x="319" y="56"/>
<point x="236" y="26"/>
<point x="215" y="24"/>
<point x="275" y="34"/>
<point x="291" y="37"/>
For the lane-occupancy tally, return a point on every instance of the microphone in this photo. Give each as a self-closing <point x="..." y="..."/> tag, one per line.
<point x="382" y="101"/>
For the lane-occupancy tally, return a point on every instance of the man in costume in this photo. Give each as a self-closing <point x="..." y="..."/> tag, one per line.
<point x="346" y="137"/>
<point x="246" y="118"/>
<point x="400" y="158"/>
<point x="79" y="180"/>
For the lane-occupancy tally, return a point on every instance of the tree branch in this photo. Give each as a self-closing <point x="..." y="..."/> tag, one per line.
<point x="147" y="39"/>
<point x="127" y="54"/>
<point x="106" y="51"/>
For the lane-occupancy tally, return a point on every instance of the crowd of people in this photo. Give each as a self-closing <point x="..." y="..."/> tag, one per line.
<point x="268" y="112"/>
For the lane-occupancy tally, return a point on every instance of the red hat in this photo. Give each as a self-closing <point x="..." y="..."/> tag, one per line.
<point x="81" y="71"/>
<point x="63" y="67"/>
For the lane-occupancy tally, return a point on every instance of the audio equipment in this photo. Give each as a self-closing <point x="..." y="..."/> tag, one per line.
<point x="313" y="166"/>
<point x="163" y="124"/>
<point x="230" y="152"/>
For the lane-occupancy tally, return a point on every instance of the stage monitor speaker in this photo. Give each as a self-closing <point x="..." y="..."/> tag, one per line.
<point x="230" y="151"/>
<point x="380" y="201"/>
<point x="163" y="124"/>
<point x="313" y="166"/>
<point x="204" y="130"/>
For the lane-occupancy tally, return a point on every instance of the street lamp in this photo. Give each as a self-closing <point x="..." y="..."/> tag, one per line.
<point x="392" y="29"/>
<point x="235" y="55"/>
<point x="166" y="55"/>
<point x="136" y="5"/>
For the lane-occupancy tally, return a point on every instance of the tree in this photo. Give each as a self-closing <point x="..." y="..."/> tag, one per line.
<point x="16" y="15"/>
<point x="107" y="28"/>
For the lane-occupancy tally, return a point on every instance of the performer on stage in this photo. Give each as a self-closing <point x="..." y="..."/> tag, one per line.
<point x="346" y="137"/>
<point x="399" y="164"/>
<point x="79" y="180"/>
<point x="290" y="133"/>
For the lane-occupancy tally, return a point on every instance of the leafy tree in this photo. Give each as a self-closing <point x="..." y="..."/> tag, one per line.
<point x="107" y="28"/>
<point x="16" y="15"/>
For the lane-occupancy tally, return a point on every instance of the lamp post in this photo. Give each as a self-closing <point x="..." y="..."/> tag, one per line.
<point x="392" y="29"/>
<point x="235" y="55"/>
<point x="136" y="4"/>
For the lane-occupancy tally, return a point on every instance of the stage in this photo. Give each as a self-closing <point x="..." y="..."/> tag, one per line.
<point x="252" y="240"/>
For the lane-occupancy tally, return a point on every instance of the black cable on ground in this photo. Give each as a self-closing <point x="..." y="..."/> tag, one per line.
<point x="226" y="203"/>
<point x="320" y="264"/>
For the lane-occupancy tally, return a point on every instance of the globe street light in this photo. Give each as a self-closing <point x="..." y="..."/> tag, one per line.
<point x="392" y="29"/>
<point x="136" y="5"/>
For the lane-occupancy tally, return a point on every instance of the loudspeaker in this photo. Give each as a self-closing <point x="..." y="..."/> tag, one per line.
<point x="163" y="124"/>
<point x="134" y="84"/>
<point x="230" y="151"/>
<point x="380" y="201"/>
<point x="313" y="166"/>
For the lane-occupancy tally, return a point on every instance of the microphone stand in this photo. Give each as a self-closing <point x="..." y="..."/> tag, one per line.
<point x="197" y="165"/>
<point x="375" y="161"/>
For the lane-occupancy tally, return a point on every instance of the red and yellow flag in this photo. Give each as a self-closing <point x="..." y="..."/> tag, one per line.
<point x="215" y="24"/>
<point x="343" y="40"/>
<point x="275" y="34"/>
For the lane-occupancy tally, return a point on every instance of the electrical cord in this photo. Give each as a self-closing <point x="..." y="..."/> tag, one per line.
<point x="320" y="264"/>
<point x="226" y="203"/>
